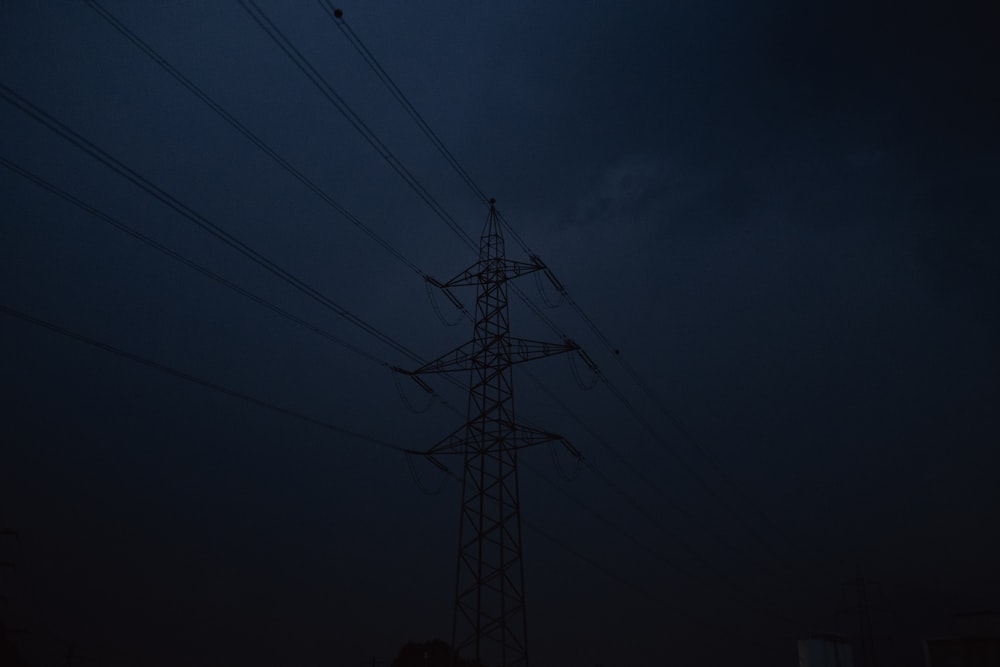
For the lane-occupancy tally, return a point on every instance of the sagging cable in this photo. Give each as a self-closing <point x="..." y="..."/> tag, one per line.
<point x="424" y="488"/>
<point x="595" y="373"/>
<point x="557" y="462"/>
<point x="431" y="395"/>
<point x="431" y="284"/>
<point x="560" y="289"/>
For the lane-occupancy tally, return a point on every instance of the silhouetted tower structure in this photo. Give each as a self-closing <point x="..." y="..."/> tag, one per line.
<point x="489" y="624"/>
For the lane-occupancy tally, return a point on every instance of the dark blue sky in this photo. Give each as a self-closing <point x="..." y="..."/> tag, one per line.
<point x="784" y="216"/>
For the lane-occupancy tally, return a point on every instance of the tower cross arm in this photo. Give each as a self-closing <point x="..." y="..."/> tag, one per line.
<point x="457" y="441"/>
<point x="463" y="357"/>
<point x="528" y="436"/>
<point x="457" y="359"/>
<point x="497" y="269"/>
<point x="524" y="349"/>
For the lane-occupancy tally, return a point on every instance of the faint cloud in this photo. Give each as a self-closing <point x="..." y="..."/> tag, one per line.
<point x="630" y="191"/>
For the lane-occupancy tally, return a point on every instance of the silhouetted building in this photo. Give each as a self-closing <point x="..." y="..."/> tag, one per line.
<point x="434" y="653"/>
<point x="9" y="657"/>
<point x="825" y="650"/>
<point x="976" y="645"/>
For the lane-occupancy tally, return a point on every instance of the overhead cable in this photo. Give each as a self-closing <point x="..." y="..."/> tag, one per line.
<point x="369" y="58"/>
<point x="39" y="115"/>
<point x="658" y="488"/>
<point x="169" y="370"/>
<point x="353" y="118"/>
<point x="249" y="134"/>
<point x="178" y="257"/>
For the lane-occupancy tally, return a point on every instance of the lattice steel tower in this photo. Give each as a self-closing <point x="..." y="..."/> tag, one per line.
<point x="489" y="624"/>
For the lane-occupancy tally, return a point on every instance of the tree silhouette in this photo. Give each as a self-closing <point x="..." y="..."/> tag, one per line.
<point x="435" y="653"/>
<point x="8" y="652"/>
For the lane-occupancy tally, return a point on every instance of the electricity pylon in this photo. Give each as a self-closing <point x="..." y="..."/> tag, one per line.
<point x="489" y="624"/>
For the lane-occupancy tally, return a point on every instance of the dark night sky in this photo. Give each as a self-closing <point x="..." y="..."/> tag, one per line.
<point x="784" y="215"/>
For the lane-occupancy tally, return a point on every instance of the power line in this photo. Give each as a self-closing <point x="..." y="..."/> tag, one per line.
<point x="199" y="220"/>
<point x="178" y="257"/>
<point x="645" y="423"/>
<point x="208" y="384"/>
<point x="637" y="506"/>
<point x="255" y="139"/>
<point x="655" y="434"/>
<point x="317" y="79"/>
<point x="143" y="46"/>
<point x="615" y="526"/>
<point x="566" y="409"/>
<point x="352" y="37"/>
<point x="695" y="442"/>
<point x="678" y="507"/>
<point x="353" y="118"/>
<point x="97" y="213"/>
<point x="636" y="415"/>
<point x="274" y="155"/>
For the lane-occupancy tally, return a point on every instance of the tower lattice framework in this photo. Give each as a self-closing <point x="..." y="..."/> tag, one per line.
<point x="489" y="624"/>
